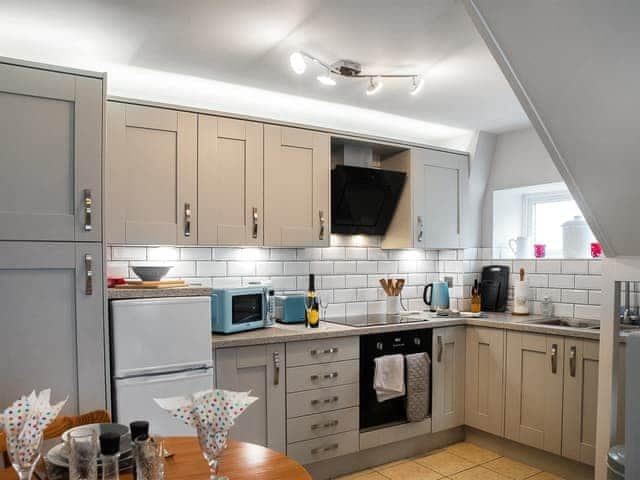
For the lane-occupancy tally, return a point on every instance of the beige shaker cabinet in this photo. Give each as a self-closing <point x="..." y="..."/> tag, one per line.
<point x="429" y="213"/>
<point x="151" y="175"/>
<point x="580" y="399"/>
<point x="230" y="181"/>
<point x="260" y="369"/>
<point x="296" y="187"/>
<point x="448" y="384"/>
<point x="51" y="155"/>
<point x="485" y="379"/>
<point x="535" y="372"/>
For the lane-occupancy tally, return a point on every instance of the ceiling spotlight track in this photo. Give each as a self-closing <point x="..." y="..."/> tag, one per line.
<point x="350" y="69"/>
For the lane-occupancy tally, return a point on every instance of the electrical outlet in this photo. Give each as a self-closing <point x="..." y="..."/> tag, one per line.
<point x="449" y="281"/>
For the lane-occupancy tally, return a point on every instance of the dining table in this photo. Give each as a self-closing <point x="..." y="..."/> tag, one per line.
<point x="240" y="461"/>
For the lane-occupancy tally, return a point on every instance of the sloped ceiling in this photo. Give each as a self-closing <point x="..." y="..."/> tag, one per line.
<point x="574" y="65"/>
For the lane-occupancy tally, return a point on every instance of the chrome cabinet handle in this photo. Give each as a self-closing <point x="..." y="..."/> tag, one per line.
<point x="440" y="348"/>
<point x="254" y="233"/>
<point x="328" y="376"/>
<point x="420" y="229"/>
<point x="316" y="426"/>
<point x="88" y="203"/>
<point x="322" y="221"/>
<point x="333" y="446"/>
<point x="317" y="401"/>
<point x="187" y="219"/>
<point x="326" y="351"/>
<point x="572" y="361"/>
<point x="88" y="274"/>
<point x="276" y="368"/>
<point x="554" y="358"/>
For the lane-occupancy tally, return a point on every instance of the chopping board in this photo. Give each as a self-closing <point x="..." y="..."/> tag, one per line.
<point x="138" y="284"/>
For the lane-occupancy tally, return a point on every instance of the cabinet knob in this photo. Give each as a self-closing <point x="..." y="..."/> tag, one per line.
<point x="187" y="219"/>
<point x="88" y="274"/>
<point x="572" y="361"/>
<point x="254" y="232"/>
<point x="328" y="448"/>
<point x="326" y="351"/>
<point x="322" y="222"/>
<point x="554" y="358"/>
<point x="440" y="348"/>
<point x="88" y="204"/>
<point x="276" y="368"/>
<point x="327" y="376"/>
<point x="316" y="426"/>
<point x="420" y="229"/>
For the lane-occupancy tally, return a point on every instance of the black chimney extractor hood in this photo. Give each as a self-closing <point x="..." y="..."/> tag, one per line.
<point x="363" y="200"/>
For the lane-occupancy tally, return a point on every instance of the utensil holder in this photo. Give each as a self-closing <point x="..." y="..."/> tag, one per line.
<point x="393" y="305"/>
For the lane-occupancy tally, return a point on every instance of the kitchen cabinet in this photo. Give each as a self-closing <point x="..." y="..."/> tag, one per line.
<point x="580" y="399"/>
<point x="296" y="187"/>
<point x="230" y="181"/>
<point x="51" y="156"/>
<point x="484" y="379"/>
<point x="429" y="213"/>
<point x="260" y="369"/>
<point x="535" y="372"/>
<point x="51" y="323"/>
<point x="449" y="357"/>
<point x="151" y="175"/>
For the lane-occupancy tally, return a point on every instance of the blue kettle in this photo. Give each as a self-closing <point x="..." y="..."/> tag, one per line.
<point x="436" y="295"/>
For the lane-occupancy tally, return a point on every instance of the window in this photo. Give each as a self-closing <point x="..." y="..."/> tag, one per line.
<point x="544" y="214"/>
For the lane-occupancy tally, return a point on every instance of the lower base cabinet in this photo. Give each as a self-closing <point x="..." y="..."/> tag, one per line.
<point x="259" y="369"/>
<point x="448" y="365"/>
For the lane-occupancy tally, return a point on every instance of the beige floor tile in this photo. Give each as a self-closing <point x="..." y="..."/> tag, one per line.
<point x="364" y="475"/>
<point x="444" y="462"/>
<point x="391" y="464"/>
<point x="478" y="473"/>
<point x="472" y="452"/>
<point x="511" y="469"/>
<point x="410" y="471"/>
<point x="545" y="476"/>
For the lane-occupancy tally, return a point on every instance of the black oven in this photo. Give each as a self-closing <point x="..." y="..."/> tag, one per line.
<point x="373" y="413"/>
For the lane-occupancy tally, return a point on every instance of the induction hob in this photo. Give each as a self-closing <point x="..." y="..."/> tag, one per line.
<point x="378" y="319"/>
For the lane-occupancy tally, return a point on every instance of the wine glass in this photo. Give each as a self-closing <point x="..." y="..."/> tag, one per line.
<point x="212" y="444"/>
<point x="24" y="455"/>
<point x="324" y="304"/>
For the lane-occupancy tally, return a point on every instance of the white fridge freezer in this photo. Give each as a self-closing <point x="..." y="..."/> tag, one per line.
<point x="161" y="347"/>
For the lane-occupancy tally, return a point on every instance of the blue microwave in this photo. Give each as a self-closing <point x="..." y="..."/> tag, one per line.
<point x="238" y="309"/>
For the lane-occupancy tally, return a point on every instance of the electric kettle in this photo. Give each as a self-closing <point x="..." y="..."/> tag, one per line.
<point x="436" y="295"/>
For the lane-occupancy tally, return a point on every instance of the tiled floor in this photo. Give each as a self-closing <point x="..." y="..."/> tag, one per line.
<point x="462" y="461"/>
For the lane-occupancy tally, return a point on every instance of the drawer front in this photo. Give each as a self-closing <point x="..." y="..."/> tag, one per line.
<point x="322" y="375"/>
<point x="322" y="351"/>
<point x="322" y="424"/>
<point x="311" y="451"/>
<point x="323" y="400"/>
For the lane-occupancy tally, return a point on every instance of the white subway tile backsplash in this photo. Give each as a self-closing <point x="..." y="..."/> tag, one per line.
<point x="333" y="253"/>
<point x="563" y="309"/>
<point x="356" y="253"/>
<point x="336" y="310"/>
<point x="224" y="253"/>
<point x="589" y="282"/>
<point x="367" y="294"/>
<point x="367" y="266"/>
<point x="377" y="254"/>
<point x="269" y="268"/>
<point x="589" y="312"/>
<point x="321" y="268"/>
<point x="163" y="254"/>
<point x="407" y="266"/>
<point x="296" y="268"/>
<point x="561" y="281"/>
<point x="344" y="267"/>
<point x="254" y="254"/>
<point x="211" y="269"/>
<point x="284" y="283"/>
<point x="283" y="254"/>
<point x="195" y="253"/>
<point x="595" y="267"/>
<point x="344" y="295"/>
<point x="387" y="267"/>
<point x="241" y="268"/>
<point x="595" y="297"/>
<point x="226" y="282"/>
<point x="118" y="269"/>
<point x="376" y="307"/>
<point x="309" y="253"/>
<point x="575" y="296"/>
<point x="332" y="281"/>
<point x="528" y="265"/>
<point x="128" y="253"/>
<point x="355" y="309"/>
<point x="575" y="266"/>
<point x="448" y="255"/>
<point x="548" y="266"/>
<point x="538" y="280"/>
<point x="417" y="279"/>
<point x="355" y="281"/>
<point x="554" y="294"/>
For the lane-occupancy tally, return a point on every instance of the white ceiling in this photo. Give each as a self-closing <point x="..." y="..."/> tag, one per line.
<point x="248" y="42"/>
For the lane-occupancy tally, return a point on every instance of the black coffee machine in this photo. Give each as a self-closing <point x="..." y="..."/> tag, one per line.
<point x="494" y="288"/>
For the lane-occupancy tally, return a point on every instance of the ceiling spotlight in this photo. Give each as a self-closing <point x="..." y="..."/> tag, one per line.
<point x="297" y="63"/>
<point x="326" y="79"/>
<point x="374" y="86"/>
<point x="416" y="85"/>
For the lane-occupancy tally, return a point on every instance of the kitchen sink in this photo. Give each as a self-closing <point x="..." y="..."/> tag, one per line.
<point x="563" y="322"/>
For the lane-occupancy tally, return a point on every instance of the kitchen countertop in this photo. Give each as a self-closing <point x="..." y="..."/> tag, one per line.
<point x="126" y="293"/>
<point x="298" y="332"/>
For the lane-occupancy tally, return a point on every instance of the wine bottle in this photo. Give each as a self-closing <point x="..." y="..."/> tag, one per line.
<point x="476" y="301"/>
<point x="313" y="309"/>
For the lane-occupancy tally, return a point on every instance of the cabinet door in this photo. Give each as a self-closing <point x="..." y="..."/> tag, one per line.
<point x="449" y="353"/>
<point x="535" y="369"/>
<point x="261" y="370"/>
<point x="230" y="181"/>
<point x="51" y="326"/>
<point x="296" y="187"/>
<point x="484" y="375"/>
<point x="151" y="175"/>
<point x="437" y="198"/>
<point x="580" y="400"/>
<point x="51" y="155"/>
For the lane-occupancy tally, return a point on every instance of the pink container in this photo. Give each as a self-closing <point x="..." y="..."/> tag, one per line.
<point x="596" y="250"/>
<point x="539" y="250"/>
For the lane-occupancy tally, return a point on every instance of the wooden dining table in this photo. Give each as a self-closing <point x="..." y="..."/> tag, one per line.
<point x="240" y="461"/>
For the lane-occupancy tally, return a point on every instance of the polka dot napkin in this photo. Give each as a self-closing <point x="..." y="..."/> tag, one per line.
<point x="25" y="420"/>
<point x="215" y="410"/>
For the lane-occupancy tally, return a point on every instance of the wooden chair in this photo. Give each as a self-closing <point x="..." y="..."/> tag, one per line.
<point x="61" y="425"/>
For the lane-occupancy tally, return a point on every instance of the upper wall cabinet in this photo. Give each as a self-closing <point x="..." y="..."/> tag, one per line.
<point x="429" y="213"/>
<point x="296" y="187"/>
<point x="51" y="155"/>
<point x="151" y="176"/>
<point x="230" y="181"/>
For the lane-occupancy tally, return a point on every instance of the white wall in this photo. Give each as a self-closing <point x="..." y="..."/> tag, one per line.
<point x="520" y="160"/>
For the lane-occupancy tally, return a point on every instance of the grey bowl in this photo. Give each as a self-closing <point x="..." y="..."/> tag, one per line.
<point x="151" y="274"/>
<point x="100" y="428"/>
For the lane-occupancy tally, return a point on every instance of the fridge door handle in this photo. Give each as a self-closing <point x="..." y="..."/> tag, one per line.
<point x="168" y="377"/>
